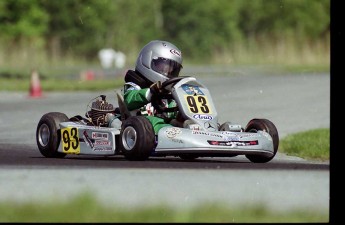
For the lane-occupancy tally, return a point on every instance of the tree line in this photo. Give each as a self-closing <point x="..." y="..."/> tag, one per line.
<point x="200" y="28"/>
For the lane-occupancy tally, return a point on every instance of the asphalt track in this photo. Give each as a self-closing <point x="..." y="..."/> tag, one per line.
<point x="294" y="102"/>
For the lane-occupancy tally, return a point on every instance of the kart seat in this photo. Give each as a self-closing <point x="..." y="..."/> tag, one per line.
<point x="125" y="114"/>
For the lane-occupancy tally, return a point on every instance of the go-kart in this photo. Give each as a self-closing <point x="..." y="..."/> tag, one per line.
<point x="197" y="135"/>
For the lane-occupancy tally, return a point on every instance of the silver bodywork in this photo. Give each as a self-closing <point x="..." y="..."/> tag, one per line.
<point x="205" y="137"/>
<point x="180" y="140"/>
<point x="201" y="136"/>
<point x="88" y="140"/>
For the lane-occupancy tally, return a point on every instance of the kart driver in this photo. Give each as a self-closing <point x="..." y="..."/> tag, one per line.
<point x="157" y="62"/>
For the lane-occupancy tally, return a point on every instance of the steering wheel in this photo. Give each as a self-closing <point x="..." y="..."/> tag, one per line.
<point x="165" y="94"/>
<point x="173" y="81"/>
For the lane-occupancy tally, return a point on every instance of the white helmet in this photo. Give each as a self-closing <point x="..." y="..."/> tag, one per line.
<point x="159" y="61"/>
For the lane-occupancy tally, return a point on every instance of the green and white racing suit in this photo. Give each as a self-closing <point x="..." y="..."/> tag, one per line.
<point x="138" y="100"/>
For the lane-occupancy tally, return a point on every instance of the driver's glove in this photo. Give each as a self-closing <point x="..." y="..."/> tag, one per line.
<point x="156" y="88"/>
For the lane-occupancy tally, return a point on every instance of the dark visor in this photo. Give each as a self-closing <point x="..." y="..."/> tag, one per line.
<point x="166" y="67"/>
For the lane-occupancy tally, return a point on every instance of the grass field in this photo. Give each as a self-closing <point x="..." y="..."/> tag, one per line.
<point x="85" y="208"/>
<point x="20" y="81"/>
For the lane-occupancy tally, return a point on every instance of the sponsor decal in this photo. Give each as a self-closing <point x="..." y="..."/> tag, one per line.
<point x="226" y="136"/>
<point x="231" y="138"/>
<point x="176" y="140"/>
<point x="99" y="135"/>
<point x="87" y="139"/>
<point x="202" y="117"/>
<point x="102" y="148"/>
<point x="192" y="90"/>
<point x="175" y="52"/>
<point x="102" y="143"/>
<point x="207" y="134"/>
<point x="229" y="133"/>
<point x="194" y="127"/>
<point x="233" y="143"/>
<point x="210" y="126"/>
<point x="172" y="132"/>
<point x="241" y="135"/>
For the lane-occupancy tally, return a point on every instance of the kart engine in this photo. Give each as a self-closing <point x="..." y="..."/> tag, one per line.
<point x="99" y="110"/>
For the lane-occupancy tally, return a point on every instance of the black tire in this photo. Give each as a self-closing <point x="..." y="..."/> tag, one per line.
<point x="223" y="127"/>
<point x="137" y="138"/>
<point x="265" y="125"/>
<point x="48" y="134"/>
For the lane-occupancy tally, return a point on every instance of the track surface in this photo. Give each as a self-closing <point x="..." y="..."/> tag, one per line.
<point x="295" y="102"/>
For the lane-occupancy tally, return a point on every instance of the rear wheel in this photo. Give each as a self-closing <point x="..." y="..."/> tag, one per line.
<point x="256" y="125"/>
<point x="48" y="134"/>
<point x="137" y="138"/>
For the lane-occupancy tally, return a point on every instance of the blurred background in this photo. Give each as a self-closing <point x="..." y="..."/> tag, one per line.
<point x="65" y="37"/>
<point x="84" y="41"/>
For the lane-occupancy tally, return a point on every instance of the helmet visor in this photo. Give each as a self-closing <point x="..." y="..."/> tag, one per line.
<point x="166" y="67"/>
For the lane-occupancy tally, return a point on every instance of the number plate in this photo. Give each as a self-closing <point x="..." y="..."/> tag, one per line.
<point x="197" y="104"/>
<point x="70" y="140"/>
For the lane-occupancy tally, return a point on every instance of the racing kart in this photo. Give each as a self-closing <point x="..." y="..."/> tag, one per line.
<point x="198" y="135"/>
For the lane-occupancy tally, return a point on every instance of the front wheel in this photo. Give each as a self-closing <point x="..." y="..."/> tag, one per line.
<point x="256" y="125"/>
<point x="137" y="138"/>
<point x="48" y="134"/>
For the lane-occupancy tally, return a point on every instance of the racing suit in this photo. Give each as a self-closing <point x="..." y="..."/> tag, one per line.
<point x="138" y="99"/>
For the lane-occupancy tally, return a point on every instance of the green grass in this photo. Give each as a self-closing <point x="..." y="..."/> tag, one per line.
<point x="85" y="208"/>
<point x="306" y="69"/>
<point x="312" y="144"/>
<point x="12" y="80"/>
<point x="48" y="85"/>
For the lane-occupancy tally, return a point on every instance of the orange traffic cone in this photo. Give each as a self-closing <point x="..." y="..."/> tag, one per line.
<point x="35" y="85"/>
